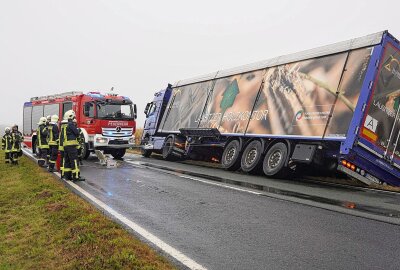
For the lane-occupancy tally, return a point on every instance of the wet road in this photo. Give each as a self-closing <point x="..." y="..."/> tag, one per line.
<point x="222" y="228"/>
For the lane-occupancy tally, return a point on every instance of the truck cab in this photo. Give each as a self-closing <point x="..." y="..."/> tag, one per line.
<point x="154" y="112"/>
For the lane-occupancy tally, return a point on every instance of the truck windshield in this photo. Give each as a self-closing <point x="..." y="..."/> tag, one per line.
<point x="114" y="111"/>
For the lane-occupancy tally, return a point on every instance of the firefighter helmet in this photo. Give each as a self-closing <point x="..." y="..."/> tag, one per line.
<point x="7" y="130"/>
<point x="48" y="118"/>
<point x="54" y="118"/>
<point x="15" y="127"/>
<point x="42" y="120"/>
<point x="69" y="115"/>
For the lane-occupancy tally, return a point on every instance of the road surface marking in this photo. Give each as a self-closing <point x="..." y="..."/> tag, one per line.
<point x="139" y="165"/>
<point x="176" y="254"/>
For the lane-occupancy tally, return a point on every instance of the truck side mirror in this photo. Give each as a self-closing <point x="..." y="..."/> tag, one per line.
<point x="146" y="110"/>
<point x="134" y="111"/>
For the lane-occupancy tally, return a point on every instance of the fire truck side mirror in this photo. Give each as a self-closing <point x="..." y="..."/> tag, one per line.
<point x="134" y="111"/>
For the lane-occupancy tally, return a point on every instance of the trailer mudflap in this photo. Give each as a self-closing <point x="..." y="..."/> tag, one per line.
<point x="304" y="153"/>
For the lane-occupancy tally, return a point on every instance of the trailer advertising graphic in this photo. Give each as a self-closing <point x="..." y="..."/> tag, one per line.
<point x="382" y="122"/>
<point x="313" y="97"/>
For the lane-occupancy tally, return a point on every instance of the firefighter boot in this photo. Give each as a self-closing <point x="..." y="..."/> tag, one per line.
<point x="51" y="167"/>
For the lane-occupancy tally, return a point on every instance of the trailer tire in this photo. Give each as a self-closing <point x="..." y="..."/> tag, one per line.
<point x="118" y="153"/>
<point x="231" y="156"/>
<point x="251" y="161"/>
<point x="275" y="159"/>
<point x="167" y="149"/>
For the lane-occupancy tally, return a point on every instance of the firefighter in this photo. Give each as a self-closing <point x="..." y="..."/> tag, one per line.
<point x="42" y="133"/>
<point x="53" y="134"/>
<point x="48" y="120"/>
<point x="16" y="150"/>
<point x="81" y="142"/>
<point x="6" y="144"/>
<point x="64" y="123"/>
<point x="70" y="143"/>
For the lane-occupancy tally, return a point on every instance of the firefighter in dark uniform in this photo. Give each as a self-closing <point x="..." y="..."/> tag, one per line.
<point x="48" y="120"/>
<point x="64" y="123"/>
<point x="81" y="142"/>
<point x="17" y="139"/>
<point x="70" y="143"/>
<point x="53" y="134"/>
<point x="42" y="133"/>
<point x="6" y="144"/>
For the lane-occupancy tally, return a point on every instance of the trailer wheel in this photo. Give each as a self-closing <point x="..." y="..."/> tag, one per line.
<point x="252" y="156"/>
<point x="118" y="153"/>
<point x="231" y="157"/>
<point x="274" y="160"/>
<point x="167" y="149"/>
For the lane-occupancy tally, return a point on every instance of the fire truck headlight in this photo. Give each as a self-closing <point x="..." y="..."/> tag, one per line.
<point x="101" y="140"/>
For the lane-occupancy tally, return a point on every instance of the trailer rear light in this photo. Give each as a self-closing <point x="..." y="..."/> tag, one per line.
<point x="351" y="166"/>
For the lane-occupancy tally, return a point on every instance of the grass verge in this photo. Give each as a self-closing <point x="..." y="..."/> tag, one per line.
<point x="45" y="226"/>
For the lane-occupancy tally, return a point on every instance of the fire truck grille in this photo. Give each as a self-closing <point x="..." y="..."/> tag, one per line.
<point x="117" y="132"/>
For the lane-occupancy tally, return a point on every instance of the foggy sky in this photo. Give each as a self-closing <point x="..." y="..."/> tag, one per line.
<point x="138" y="47"/>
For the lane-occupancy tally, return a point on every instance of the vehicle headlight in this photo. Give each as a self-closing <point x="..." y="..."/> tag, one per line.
<point x="101" y="140"/>
<point x="132" y="140"/>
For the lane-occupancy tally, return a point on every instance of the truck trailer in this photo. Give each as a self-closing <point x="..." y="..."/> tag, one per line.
<point x="106" y="120"/>
<point x="335" y="107"/>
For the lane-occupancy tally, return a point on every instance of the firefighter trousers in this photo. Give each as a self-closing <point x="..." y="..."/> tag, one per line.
<point x="8" y="156"/>
<point x="62" y="164"/>
<point x="14" y="156"/>
<point x="71" y="166"/>
<point x="43" y="156"/>
<point x="53" y="153"/>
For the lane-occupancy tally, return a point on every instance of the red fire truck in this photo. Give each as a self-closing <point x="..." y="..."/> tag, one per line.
<point x="107" y="120"/>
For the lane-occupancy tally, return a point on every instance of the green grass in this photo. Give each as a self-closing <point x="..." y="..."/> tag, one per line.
<point x="45" y="226"/>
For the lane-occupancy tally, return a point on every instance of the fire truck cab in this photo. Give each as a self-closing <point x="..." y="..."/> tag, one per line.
<point x="106" y="120"/>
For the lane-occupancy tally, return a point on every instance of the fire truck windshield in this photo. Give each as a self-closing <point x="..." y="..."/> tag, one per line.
<point x="114" y="111"/>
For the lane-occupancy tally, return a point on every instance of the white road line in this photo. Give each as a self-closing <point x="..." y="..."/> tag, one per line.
<point x="176" y="254"/>
<point x="139" y="165"/>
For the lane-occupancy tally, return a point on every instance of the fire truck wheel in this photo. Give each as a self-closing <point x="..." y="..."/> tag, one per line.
<point x="252" y="157"/>
<point x="274" y="161"/>
<point x="118" y="153"/>
<point x="86" y="151"/>
<point x="231" y="157"/>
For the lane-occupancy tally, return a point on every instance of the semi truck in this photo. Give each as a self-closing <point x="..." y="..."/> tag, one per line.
<point x="336" y="107"/>
<point x="106" y="120"/>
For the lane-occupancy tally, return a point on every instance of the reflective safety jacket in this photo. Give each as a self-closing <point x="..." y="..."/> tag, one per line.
<point x="70" y="134"/>
<point x="6" y="143"/>
<point x="16" y="141"/>
<point x="61" y="136"/>
<point x="42" y="134"/>
<point x="53" y="134"/>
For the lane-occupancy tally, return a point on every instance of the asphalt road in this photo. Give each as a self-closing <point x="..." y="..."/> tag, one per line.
<point x="222" y="228"/>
